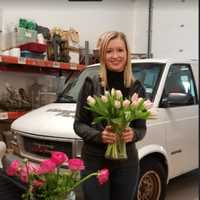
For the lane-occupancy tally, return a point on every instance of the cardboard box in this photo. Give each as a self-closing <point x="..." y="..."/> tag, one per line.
<point x="74" y="54"/>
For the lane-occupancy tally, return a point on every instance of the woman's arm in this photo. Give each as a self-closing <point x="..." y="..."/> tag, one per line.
<point x="83" y="117"/>
<point x="139" y="125"/>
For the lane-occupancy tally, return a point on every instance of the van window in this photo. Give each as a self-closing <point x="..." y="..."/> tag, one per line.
<point x="180" y="81"/>
<point x="148" y="73"/>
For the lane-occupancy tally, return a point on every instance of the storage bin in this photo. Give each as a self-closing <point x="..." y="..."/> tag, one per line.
<point x="29" y="54"/>
<point x="26" y="35"/>
<point x="34" y="47"/>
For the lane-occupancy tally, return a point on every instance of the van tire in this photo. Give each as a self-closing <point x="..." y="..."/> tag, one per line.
<point x="152" y="183"/>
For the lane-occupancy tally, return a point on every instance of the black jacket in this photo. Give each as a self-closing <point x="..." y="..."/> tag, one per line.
<point x="91" y="134"/>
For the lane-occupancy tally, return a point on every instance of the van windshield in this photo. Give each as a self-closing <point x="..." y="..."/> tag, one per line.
<point x="147" y="73"/>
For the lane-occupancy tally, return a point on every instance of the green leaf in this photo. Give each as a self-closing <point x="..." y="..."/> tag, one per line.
<point x="99" y="119"/>
<point x="140" y="106"/>
<point x="117" y="121"/>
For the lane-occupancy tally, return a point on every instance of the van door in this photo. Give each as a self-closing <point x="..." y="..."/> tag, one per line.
<point x="179" y="100"/>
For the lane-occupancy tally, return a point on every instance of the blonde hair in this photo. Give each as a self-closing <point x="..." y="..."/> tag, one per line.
<point x="102" y="44"/>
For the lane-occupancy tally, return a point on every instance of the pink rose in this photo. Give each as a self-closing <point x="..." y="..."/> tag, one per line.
<point x="58" y="157"/>
<point x="76" y="164"/>
<point x="46" y="166"/>
<point x="103" y="176"/>
<point x="24" y="175"/>
<point x="28" y="168"/>
<point x="13" y="168"/>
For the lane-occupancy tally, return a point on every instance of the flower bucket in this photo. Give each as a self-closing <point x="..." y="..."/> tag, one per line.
<point x="71" y="196"/>
<point x="48" y="180"/>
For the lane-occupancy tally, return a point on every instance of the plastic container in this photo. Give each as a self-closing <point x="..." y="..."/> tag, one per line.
<point x="26" y="35"/>
<point x="16" y="38"/>
<point x="29" y="54"/>
<point x="34" y="47"/>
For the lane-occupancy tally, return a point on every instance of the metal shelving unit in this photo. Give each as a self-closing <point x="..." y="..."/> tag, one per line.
<point x="30" y="65"/>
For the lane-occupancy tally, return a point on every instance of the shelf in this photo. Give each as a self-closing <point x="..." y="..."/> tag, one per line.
<point x="11" y="115"/>
<point x="30" y="65"/>
<point x="11" y="63"/>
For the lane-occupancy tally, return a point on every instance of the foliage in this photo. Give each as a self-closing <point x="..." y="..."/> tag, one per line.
<point x="117" y="111"/>
<point x="48" y="181"/>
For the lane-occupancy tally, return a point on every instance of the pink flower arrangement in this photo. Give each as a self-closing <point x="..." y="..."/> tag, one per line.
<point x="49" y="180"/>
<point x="76" y="164"/>
<point x="59" y="157"/>
<point x="13" y="168"/>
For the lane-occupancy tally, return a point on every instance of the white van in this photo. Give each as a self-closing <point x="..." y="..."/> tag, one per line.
<point x="170" y="147"/>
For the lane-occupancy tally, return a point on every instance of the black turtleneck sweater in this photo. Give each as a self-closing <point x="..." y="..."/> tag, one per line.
<point x="116" y="81"/>
<point x="91" y="133"/>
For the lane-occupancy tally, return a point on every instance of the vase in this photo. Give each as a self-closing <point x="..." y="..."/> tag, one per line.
<point x="117" y="150"/>
<point x="71" y="196"/>
<point x="121" y="148"/>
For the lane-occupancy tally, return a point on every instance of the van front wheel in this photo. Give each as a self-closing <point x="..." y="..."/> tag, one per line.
<point x="152" y="182"/>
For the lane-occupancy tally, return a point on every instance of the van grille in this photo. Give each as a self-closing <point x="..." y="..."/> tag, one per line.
<point x="43" y="148"/>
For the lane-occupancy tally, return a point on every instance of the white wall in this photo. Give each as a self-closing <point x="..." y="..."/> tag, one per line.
<point x="1" y="19"/>
<point x="89" y="18"/>
<point x="175" y="29"/>
<point x="140" y="26"/>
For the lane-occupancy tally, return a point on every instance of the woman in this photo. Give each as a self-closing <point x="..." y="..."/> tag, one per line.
<point x="115" y="72"/>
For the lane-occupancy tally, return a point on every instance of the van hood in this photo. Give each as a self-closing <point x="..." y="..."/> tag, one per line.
<point x="52" y="120"/>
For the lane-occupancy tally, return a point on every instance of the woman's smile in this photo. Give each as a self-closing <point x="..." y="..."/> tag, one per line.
<point x="116" y="55"/>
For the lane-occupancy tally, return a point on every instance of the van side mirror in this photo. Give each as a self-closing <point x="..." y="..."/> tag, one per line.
<point x="176" y="99"/>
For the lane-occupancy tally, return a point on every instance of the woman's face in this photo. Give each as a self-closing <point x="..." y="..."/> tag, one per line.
<point x="116" y="55"/>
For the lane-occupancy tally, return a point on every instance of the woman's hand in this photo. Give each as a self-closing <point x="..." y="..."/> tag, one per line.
<point x="108" y="136"/>
<point x="128" y="135"/>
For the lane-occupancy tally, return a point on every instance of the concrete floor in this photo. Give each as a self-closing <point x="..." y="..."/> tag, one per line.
<point x="185" y="187"/>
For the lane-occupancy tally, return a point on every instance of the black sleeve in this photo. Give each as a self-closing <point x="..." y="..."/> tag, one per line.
<point x="83" y="117"/>
<point x="139" y="125"/>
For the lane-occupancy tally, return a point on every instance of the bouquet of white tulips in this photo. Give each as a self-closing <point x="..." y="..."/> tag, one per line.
<point x="118" y="112"/>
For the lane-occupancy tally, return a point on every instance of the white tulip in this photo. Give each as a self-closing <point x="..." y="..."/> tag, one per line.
<point x="148" y="104"/>
<point x="134" y="97"/>
<point x="104" y="98"/>
<point x="91" y="101"/>
<point x="126" y="103"/>
<point x="118" y="94"/>
<point x="106" y="93"/>
<point x="153" y="113"/>
<point x="112" y="92"/>
<point x="117" y="104"/>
